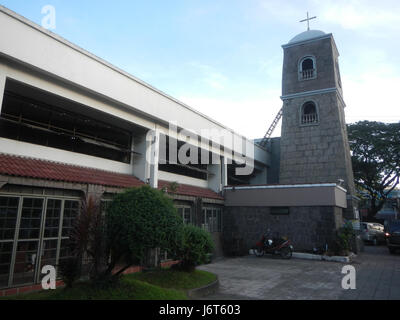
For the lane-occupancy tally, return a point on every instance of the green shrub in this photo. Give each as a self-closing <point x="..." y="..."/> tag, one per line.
<point x="138" y="220"/>
<point x="346" y="235"/>
<point x="341" y="245"/>
<point x="195" y="248"/>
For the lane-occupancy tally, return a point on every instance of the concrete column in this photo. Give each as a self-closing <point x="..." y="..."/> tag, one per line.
<point x="153" y="153"/>
<point x="198" y="211"/>
<point x="224" y="172"/>
<point x="2" y="86"/>
<point x="215" y="178"/>
<point x="140" y="167"/>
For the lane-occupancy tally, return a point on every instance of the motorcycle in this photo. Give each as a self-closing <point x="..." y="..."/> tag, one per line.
<point x="279" y="245"/>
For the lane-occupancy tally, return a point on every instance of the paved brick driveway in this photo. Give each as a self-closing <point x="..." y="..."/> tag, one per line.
<point x="377" y="277"/>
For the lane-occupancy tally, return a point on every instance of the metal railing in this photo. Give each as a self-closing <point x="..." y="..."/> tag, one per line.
<point x="307" y="74"/>
<point x="309" y="118"/>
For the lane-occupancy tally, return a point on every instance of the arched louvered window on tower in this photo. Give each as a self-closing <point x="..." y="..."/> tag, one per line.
<point x="309" y="113"/>
<point x="307" y="68"/>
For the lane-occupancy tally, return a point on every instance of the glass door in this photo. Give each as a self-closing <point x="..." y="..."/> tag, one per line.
<point x="34" y="232"/>
<point x="26" y="252"/>
<point x="50" y="241"/>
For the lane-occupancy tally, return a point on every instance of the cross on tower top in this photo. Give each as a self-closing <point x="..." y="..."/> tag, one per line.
<point x="308" y="21"/>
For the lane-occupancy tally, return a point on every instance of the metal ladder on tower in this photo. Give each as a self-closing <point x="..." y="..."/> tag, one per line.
<point x="271" y="129"/>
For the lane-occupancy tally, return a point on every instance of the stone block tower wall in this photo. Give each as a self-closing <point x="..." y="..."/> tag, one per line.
<point x="314" y="144"/>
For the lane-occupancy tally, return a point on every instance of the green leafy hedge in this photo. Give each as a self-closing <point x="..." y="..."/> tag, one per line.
<point x="195" y="247"/>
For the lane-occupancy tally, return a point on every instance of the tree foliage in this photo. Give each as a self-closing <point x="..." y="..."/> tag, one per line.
<point x="375" y="150"/>
<point x="140" y="219"/>
<point x="87" y="239"/>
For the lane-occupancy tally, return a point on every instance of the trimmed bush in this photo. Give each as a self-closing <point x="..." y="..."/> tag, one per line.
<point x="195" y="248"/>
<point x="138" y="220"/>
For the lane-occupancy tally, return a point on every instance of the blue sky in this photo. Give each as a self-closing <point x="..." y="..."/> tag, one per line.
<point x="224" y="58"/>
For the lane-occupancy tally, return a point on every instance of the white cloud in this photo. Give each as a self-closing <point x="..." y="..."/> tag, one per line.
<point x="370" y="87"/>
<point x="356" y="15"/>
<point x="250" y="117"/>
<point x="372" y="97"/>
<point x="374" y="16"/>
<point x="215" y="80"/>
<point x="210" y="75"/>
<point x="271" y="67"/>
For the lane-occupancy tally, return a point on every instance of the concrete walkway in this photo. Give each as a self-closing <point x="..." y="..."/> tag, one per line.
<point x="268" y="277"/>
<point x="378" y="275"/>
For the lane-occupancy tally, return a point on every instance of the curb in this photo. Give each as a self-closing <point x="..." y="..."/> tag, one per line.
<point x="309" y="256"/>
<point x="203" y="291"/>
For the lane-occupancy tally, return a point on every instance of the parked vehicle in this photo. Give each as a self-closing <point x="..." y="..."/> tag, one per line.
<point x="393" y="236"/>
<point x="372" y="232"/>
<point x="279" y="245"/>
<point x="379" y="226"/>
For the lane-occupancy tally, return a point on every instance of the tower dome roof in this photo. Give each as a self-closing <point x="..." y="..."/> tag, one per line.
<point x="307" y="35"/>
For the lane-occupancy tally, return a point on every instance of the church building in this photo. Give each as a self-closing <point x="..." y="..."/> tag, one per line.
<point x="310" y="190"/>
<point x="72" y="125"/>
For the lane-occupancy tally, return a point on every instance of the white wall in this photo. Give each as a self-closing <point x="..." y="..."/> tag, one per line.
<point x="2" y="85"/>
<point x="172" y="177"/>
<point x="41" y="152"/>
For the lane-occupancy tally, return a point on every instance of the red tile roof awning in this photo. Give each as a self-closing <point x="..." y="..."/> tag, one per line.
<point x="48" y="170"/>
<point x="192" y="191"/>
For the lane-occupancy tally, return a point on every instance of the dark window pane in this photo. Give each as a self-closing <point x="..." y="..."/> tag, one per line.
<point x="52" y="222"/>
<point x="48" y="255"/>
<point x="65" y="249"/>
<point x="25" y="262"/>
<point x="70" y="213"/>
<point x="5" y="262"/>
<point x="187" y="217"/>
<point x="309" y="108"/>
<point x="41" y="120"/>
<point x="307" y="64"/>
<point x="8" y="217"/>
<point x="31" y="218"/>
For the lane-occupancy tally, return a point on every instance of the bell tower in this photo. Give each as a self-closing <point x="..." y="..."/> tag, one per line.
<point x="314" y="142"/>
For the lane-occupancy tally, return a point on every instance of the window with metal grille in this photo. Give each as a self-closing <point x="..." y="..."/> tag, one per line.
<point x="309" y="113"/>
<point x="42" y="118"/>
<point x="34" y="232"/>
<point x="212" y="219"/>
<point x="186" y="213"/>
<point x="307" y="68"/>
